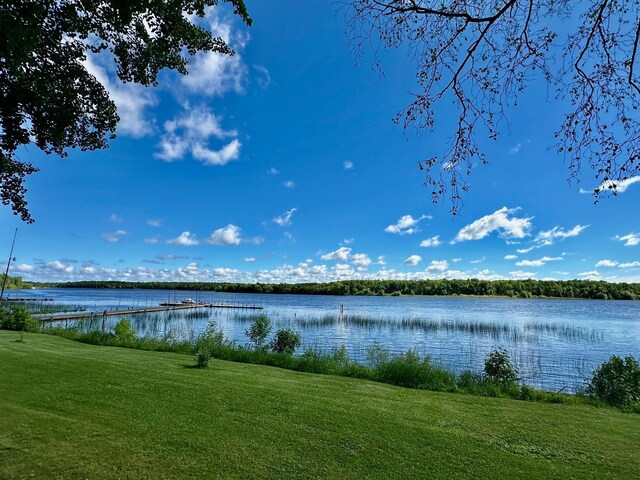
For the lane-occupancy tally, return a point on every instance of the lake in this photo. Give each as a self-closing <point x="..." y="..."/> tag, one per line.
<point x="556" y="344"/>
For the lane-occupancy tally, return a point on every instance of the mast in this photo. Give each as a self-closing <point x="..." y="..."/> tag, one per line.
<point x="6" y="273"/>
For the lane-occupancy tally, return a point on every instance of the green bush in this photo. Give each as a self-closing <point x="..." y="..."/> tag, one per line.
<point x="17" y="318"/>
<point x="202" y="359"/>
<point x="286" y="341"/>
<point x="212" y="340"/>
<point x="617" y="382"/>
<point x="259" y="330"/>
<point x="123" y="330"/>
<point x="498" y="366"/>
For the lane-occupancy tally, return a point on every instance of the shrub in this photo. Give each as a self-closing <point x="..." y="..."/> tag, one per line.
<point x="212" y="340"/>
<point x="377" y="355"/>
<point x="617" y="382"/>
<point x="498" y="366"/>
<point x="123" y="330"/>
<point x="202" y="359"/>
<point x="17" y="318"/>
<point x="286" y="341"/>
<point x="259" y="331"/>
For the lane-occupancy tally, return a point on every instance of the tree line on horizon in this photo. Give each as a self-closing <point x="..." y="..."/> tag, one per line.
<point x="584" y="289"/>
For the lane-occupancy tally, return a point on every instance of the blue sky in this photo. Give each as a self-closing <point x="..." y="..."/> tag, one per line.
<point x="281" y="164"/>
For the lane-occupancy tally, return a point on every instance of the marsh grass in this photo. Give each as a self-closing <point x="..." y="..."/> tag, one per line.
<point x="42" y="307"/>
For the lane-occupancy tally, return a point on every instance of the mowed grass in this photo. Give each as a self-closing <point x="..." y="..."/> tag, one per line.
<point x="71" y="410"/>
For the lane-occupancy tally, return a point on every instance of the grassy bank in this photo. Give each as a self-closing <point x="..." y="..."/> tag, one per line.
<point x="71" y="410"/>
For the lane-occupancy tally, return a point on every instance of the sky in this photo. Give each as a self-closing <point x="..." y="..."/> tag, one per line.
<point x="282" y="164"/>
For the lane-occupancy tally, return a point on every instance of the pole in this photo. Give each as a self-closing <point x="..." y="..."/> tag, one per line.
<point x="6" y="273"/>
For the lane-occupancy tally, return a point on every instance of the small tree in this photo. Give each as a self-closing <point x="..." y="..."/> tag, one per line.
<point x="616" y="382"/>
<point x="123" y="330"/>
<point x="498" y="366"/>
<point x="259" y="331"/>
<point x="286" y="341"/>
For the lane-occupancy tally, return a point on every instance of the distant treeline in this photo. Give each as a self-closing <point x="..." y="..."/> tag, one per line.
<point x="506" y="288"/>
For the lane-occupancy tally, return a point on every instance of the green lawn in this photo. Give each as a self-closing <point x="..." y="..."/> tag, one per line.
<point x="70" y="410"/>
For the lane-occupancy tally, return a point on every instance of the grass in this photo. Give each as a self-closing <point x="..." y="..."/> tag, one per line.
<point x="71" y="410"/>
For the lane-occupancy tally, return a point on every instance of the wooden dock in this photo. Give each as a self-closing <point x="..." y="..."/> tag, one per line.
<point x="134" y="311"/>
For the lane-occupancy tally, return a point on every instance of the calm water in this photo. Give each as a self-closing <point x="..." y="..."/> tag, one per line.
<point x="555" y="343"/>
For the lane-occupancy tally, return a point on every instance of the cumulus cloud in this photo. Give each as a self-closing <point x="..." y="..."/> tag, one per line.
<point x="629" y="265"/>
<point x="229" y="235"/>
<point x="413" y="260"/>
<point x="631" y="240"/>
<point x="381" y="260"/>
<point x="510" y="257"/>
<point x="406" y="225"/>
<point x="437" y="266"/>
<point x="478" y="260"/>
<point x="537" y="263"/>
<point x="348" y="165"/>
<point x="58" y="266"/>
<point x="131" y="99"/>
<point x="606" y="263"/>
<point x="214" y="74"/>
<point x="431" y="242"/>
<point x="341" y="254"/>
<point x="592" y="275"/>
<point x="619" y="186"/>
<point x="289" y="184"/>
<point x="502" y="221"/>
<point x="192" y="132"/>
<point x="114" y="237"/>
<point x="361" y="260"/>
<point x="249" y="259"/>
<point x="186" y="239"/>
<point x="284" y="220"/>
<point x="24" y="267"/>
<point x="273" y="171"/>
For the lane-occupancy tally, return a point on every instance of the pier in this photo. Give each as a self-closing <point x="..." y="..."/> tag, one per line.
<point x="133" y="311"/>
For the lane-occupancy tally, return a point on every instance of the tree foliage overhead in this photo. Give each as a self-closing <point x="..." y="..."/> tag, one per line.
<point x="48" y="97"/>
<point x="481" y="54"/>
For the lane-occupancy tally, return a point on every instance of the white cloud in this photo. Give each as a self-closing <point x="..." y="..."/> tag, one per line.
<point x="264" y="79"/>
<point x="526" y="250"/>
<point x="520" y="275"/>
<point x="537" y="263"/>
<point x="510" y="257"/>
<point x="431" y="242"/>
<point x="284" y="220"/>
<point x="606" y="263"/>
<point x="413" y="260"/>
<point x="113" y="237"/>
<point x="618" y="186"/>
<point x="115" y="218"/>
<point x="231" y="151"/>
<point x="273" y="171"/>
<point x="456" y="260"/>
<point x="549" y="236"/>
<point x="289" y="184"/>
<point x="131" y="100"/>
<point x="381" y="260"/>
<point x="152" y="241"/>
<point x="361" y="260"/>
<point x="215" y="74"/>
<point x="348" y="165"/>
<point x="500" y="220"/>
<point x="631" y="240"/>
<point x="629" y="265"/>
<point x="592" y="275"/>
<point x="186" y="239"/>
<point x="406" y="225"/>
<point x="515" y="149"/>
<point x="192" y="132"/>
<point x="249" y="259"/>
<point x="478" y="260"/>
<point x="229" y="235"/>
<point x="154" y="223"/>
<point x="58" y="266"/>
<point x="23" y="268"/>
<point x="348" y="241"/>
<point x="438" y="266"/>
<point x="341" y="254"/>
